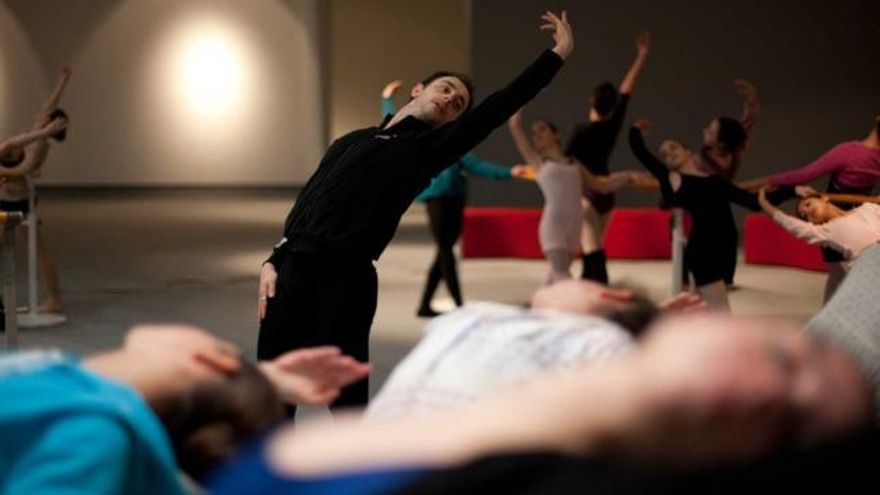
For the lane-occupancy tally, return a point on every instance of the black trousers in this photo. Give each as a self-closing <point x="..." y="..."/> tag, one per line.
<point x="322" y="300"/>
<point x="445" y="216"/>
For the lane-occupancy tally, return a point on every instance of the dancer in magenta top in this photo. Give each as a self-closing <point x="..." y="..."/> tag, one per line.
<point x="854" y="167"/>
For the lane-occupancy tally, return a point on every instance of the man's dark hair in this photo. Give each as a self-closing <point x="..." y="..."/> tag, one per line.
<point x="62" y="134"/>
<point x="209" y="422"/>
<point x="464" y="78"/>
<point x="634" y="315"/>
<point x="731" y="134"/>
<point x="604" y="98"/>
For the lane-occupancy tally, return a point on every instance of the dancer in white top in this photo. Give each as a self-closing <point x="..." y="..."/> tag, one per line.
<point x="823" y="223"/>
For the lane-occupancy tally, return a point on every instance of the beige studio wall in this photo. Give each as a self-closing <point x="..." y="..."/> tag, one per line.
<point x="374" y="41"/>
<point x="170" y="92"/>
<point x="214" y="92"/>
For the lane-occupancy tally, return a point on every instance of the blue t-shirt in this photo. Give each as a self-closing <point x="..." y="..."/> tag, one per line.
<point x="250" y="474"/>
<point x="67" y="431"/>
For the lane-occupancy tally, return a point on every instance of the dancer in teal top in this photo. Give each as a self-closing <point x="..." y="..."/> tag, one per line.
<point x="68" y="429"/>
<point x="127" y="420"/>
<point x="445" y="199"/>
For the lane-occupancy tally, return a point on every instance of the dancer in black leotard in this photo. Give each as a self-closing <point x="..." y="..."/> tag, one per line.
<point x="724" y="142"/>
<point x="591" y="144"/>
<point x="707" y="198"/>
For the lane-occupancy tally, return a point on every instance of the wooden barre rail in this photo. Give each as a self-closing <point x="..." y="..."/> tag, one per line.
<point x="651" y="183"/>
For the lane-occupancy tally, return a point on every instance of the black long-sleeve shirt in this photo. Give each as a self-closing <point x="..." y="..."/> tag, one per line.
<point x="593" y="142"/>
<point x="352" y="204"/>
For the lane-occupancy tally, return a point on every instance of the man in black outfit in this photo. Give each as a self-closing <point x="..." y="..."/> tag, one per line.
<point x="319" y="286"/>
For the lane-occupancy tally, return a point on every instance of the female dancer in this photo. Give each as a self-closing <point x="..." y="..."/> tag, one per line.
<point x="846" y="232"/>
<point x="563" y="183"/>
<point x="707" y="198"/>
<point x="725" y="138"/>
<point x="445" y="199"/>
<point x="591" y="144"/>
<point x="724" y="141"/>
<point x="23" y="154"/>
<point x="854" y="167"/>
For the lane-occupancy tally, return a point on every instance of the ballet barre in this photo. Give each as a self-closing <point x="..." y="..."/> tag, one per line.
<point x="651" y="183"/>
<point x="32" y="318"/>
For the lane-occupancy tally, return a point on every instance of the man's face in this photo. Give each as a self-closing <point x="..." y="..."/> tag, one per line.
<point x="441" y="101"/>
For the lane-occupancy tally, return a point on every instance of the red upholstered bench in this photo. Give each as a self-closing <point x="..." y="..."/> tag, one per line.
<point x="766" y="243"/>
<point x="633" y="233"/>
<point x="639" y="233"/>
<point x="501" y="233"/>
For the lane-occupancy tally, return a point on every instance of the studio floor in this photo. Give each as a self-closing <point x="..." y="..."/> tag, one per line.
<point x="134" y="256"/>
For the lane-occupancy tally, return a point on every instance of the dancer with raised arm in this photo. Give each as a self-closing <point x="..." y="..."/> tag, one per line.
<point x="319" y="286"/>
<point x="854" y="168"/>
<point x="591" y="144"/>
<point x="707" y="198"/>
<point x="23" y="155"/>
<point x="563" y="182"/>
<point x="821" y="222"/>
<point x="445" y="199"/>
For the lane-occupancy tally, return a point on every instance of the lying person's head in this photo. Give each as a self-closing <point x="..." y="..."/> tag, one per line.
<point x="748" y="385"/>
<point x="209" y="400"/>
<point x="628" y="308"/>
<point x="816" y="209"/>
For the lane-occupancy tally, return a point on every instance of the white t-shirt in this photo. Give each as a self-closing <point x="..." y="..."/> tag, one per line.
<point x="851" y="233"/>
<point x="483" y="348"/>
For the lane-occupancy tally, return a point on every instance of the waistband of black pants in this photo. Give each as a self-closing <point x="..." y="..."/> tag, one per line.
<point x="335" y="254"/>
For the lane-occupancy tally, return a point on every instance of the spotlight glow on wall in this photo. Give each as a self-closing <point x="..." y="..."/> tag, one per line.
<point x="211" y="72"/>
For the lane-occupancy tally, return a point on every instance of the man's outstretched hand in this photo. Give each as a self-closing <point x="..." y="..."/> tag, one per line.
<point x="313" y="376"/>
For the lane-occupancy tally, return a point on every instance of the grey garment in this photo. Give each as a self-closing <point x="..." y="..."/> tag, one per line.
<point x="851" y="319"/>
<point x="562" y="217"/>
